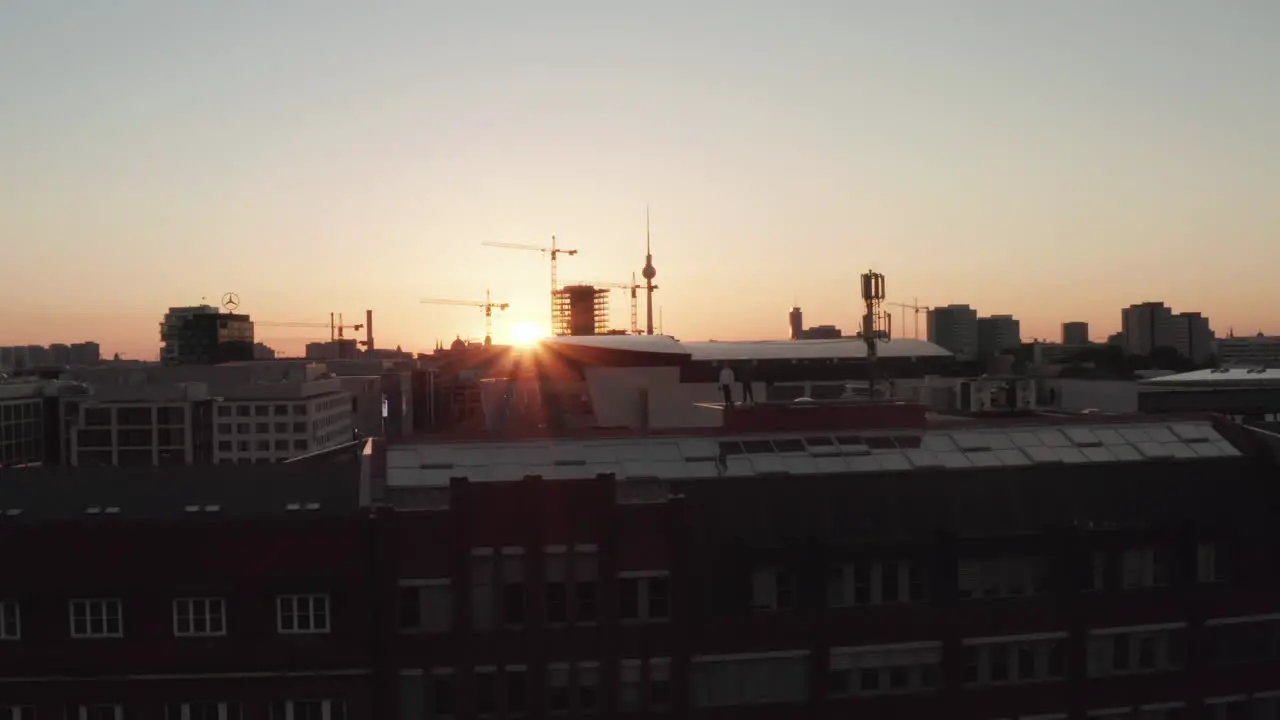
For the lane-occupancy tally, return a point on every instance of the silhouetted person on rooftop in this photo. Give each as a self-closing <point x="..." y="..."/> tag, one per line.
<point x="746" y="375"/>
<point x="726" y="385"/>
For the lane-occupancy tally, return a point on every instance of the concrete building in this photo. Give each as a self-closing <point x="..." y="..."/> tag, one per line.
<point x="1147" y="326"/>
<point x="22" y="423"/>
<point x="795" y="319"/>
<point x="954" y="327"/>
<point x="998" y="334"/>
<point x="1255" y="350"/>
<point x="340" y="349"/>
<point x="1192" y="337"/>
<point x="1075" y="332"/>
<point x="194" y="414"/>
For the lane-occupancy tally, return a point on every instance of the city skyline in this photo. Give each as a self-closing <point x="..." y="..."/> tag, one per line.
<point x="1052" y="162"/>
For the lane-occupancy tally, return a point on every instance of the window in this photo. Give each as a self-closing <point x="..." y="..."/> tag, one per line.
<point x="261" y="410"/>
<point x="1030" y="658"/>
<point x="242" y="411"/>
<point x="299" y="444"/>
<point x="728" y="680"/>
<point x="300" y="614"/>
<point x="196" y="617"/>
<point x="634" y="693"/>
<point x="588" y="694"/>
<point x="486" y="690"/>
<point x="224" y="411"/>
<point x="514" y="602"/>
<point x="1145" y="567"/>
<point x="1002" y="577"/>
<point x="483" y="600"/>
<point x="443" y="689"/>
<point x="98" y="618"/>
<point x="885" y="669"/>
<point x="773" y="589"/>
<point x="10" y="621"/>
<point x="1243" y="640"/>
<point x="517" y="689"/>
<point x="95" y="712"/>
<point x="17" y="712"/>
<point x="875" y="583"/>
<point x="1207" y="569"/>
<point x="643" y="596"/>
<point x="202" y="711"/>
<point x="1122" y="651"/>
<point x="571" y="582"/>
<point x="426" y="605"/>
<point x="308" y="710"/>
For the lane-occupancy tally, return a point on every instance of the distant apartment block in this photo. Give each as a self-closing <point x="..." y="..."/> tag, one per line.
<point x="21" y="357"/>
<point x="955" y="327"/>
<point x="340" y="349"/>
<point x="1147" y="326"/>
<point x="193" y="414"/>
<point x="1254" y="350"/>
<point x="1192" y="337"/>
<point x="1075" y="333"/>
<point x="998" y="334"/>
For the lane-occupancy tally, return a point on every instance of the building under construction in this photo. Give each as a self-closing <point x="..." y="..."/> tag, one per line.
<point x="580" y="310"/>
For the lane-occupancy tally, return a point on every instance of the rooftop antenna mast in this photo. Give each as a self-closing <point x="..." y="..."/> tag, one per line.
<point x="649" y="272"/>
<point x="876" y="325"/>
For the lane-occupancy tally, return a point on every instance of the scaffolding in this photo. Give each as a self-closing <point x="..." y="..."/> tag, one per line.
<point x="581" y="310"/>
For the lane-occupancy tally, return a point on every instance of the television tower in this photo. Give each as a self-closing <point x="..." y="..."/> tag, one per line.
<point x="649" y="273"/>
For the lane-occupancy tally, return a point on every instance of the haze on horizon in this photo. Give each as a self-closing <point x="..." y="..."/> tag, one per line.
<point x="1056" y="161"/>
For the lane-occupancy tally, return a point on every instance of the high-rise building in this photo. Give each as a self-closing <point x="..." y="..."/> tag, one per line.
<point x="171" y="328"/>
<point x="998" y="334"/>
<point x="796" y="319"/>
<point x="1075" y="333"/>
<point x="1147" y="326"/>
<point x="1192" y="337"/>
<point x="60" y="354"/>
<point x="86" y="353"/>
<point x="955" y="327"/>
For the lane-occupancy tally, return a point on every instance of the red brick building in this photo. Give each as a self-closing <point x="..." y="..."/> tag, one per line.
<point x="1027" y="567"/>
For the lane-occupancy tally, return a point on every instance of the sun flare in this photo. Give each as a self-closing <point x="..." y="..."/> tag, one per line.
<point x="527" y="333"/>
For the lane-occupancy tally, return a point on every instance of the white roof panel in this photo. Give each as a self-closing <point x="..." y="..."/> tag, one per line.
<point x="922" y="458"/>
<point x="764" y="464"/>
<point x="699" y="449"/>
<point x="1082" y="436"/>
<point x="403" y="457"/>
<point x="892" y="461"/>
<point x="1011" y="456"/>
<point x="1227" y="448"/>
<point x="665" y="450"/>
<point x="1154" y="450"/>
<point x="1053" y="438"/>
<point x="863" y="463"/>
<point x="954" y="459"/>
<point x="1162" y="434"/>
<point x="1042" y="454"/>
<point x="1124" y="452"/>
<point x="1098" y="453"/>
<point x="1109" y="436"/>
<point x="1070" y="455"/>
<point x="1025" y="439"/>
<point x="1206" y="449"/>
<point x="1180" y="450"/>
<point x="600" y="453"/>
<point x="1000" y="441"/>
<point x="835" y="464"/>
<point x="1188" y="431"/>
<point x="638" y="469"/>
<point x="798" y="464"/>
<point x="938" y="442"/>
<point x="739" y="466"/>
<point x="972" y="441"/>
<point x="568" y="452"/>
<point x="984" y="458"/>
<point x="702" y="469"/>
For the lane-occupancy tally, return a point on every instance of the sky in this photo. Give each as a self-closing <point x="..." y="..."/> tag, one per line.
<point x="1053" y="160"/>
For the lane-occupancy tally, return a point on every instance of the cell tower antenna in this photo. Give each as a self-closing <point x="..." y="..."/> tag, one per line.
<point x="876" y="324"/>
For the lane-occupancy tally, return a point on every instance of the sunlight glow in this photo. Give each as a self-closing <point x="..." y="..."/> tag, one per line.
<point x="527" y="333"/>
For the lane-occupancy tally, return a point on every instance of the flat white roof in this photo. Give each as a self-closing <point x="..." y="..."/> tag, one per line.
<point x="815" y="453"/>
<point x="1218" y="377"/>
<point x="843" y="348"/>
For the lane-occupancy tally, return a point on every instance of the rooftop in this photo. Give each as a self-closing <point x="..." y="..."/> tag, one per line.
<point x="1218" y="378"/>
<point x="306" y="489"/>
<point x="946" y="445"/>
<point x="840" y="349"/>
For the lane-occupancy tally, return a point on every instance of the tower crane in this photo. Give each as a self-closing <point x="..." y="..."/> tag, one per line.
<point x="551" y="250"/>
<point x="335" y="325"/>
<point x="915" y="307"/>
<point x="634" y="287"/>
<point x="488" y="306"/>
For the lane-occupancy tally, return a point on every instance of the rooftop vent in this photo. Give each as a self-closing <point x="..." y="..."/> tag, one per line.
<point x="11" y="512"/>
<point x="313" y="506"/>
<point x="93" y="510"/>
<point x="293" y="506"/>
<point x="113" y="510"/>
<point x="191" y="508"/>
<point x="212" y="508"/>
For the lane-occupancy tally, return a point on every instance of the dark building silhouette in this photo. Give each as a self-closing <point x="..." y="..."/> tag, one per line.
<point x="213" y="338"/>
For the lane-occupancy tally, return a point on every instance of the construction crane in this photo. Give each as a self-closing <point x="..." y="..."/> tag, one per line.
<point x="915" y="307"/>
<point x="488" y="306"/>
<point x="552" y="251"/>
<point x="634" y="288"/>
<point x="335" y="325"/>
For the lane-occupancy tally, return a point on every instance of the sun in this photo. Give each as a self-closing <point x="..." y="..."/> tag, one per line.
<point x="527" y="333"/>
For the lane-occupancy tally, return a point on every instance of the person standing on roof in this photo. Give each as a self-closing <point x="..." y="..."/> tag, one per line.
<point x="747" y="376"/>
<point x="726" y="385"/>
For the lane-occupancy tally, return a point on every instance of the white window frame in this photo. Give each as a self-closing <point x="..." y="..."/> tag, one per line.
<point x="644" y="578"/>
<point x="82" y="711"/>
<point x="296" y="601"/>
<point x="17" y="712"/>
<point x="845" y="594"/>
<point x="1008" y="576"/>
<point x="192" y="604"/>
<point x="1138" y="568"/>
<point x="914" y="658"/>
<point x="1207" y="563"/>
<point x="326" y="708"/>
<point x="765" y="589"/>
<point x="87" y="605"/>
<point x="10" y="613"/>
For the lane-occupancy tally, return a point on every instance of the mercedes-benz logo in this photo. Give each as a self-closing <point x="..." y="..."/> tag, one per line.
<point x="230" y="301"/>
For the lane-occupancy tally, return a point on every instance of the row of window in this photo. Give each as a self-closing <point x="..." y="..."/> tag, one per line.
<point x="890" y="582"/>
<point x="192" y="617"/>
<point x="263" y="445"/>
<point x="280" y="710"/>
<point x="261" y="410"/>
<point x="262" y="428"/>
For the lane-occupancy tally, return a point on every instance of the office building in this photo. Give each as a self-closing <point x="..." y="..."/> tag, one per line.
<point x="955" y="327"/>
<point x="1192" y="337"/>
<point x="1251" y="350"/>
<point x="1147" y="326"/>
<point x="998" y="334"/>
<point x="795" y="319"/>
<point x="1075" y="333"/>
<point x="22" y="423"/>
<point x="200" y="334"/>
